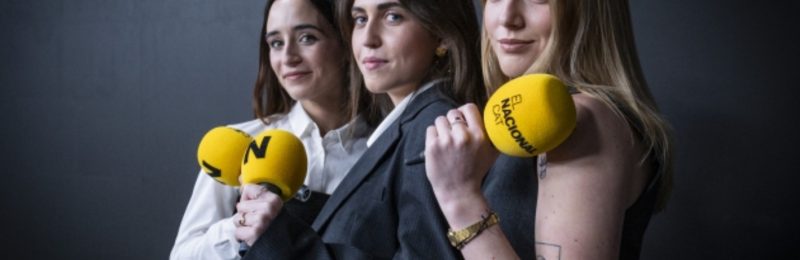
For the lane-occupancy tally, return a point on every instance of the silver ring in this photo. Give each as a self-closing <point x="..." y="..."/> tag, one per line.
<point x="458" y="120"/>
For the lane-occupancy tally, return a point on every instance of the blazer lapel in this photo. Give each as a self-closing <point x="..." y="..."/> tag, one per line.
<point x="371" y="158"/>
<point x="365" y="165"/>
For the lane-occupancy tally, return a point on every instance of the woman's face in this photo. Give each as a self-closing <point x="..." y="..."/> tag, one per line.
<point x="393" y="50"/>
<point x="305" y="53"/>
<point x="518" y="32"/>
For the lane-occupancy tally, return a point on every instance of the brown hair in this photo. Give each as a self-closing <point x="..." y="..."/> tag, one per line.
<point x="455" y="23"/>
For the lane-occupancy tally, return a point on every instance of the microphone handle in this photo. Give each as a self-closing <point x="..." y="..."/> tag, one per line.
<point x="271" y="187"/>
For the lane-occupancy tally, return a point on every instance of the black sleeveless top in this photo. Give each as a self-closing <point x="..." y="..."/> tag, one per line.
<point x="637" y="217"/>
<point x="511" y="187"/>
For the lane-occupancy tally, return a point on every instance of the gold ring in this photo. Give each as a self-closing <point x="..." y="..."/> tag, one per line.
<point x="241" y="220"/>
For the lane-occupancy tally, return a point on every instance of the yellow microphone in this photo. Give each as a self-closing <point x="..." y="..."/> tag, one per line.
<point x="529" y="115"/>
<point x="277" y="160"/>
<point x="220" y="154"/>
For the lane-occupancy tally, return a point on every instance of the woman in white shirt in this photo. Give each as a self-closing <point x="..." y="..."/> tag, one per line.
<point x="301" y="88"/>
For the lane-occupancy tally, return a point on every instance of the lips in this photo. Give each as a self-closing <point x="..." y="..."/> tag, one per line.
<point x="295" y="75"/>
<point x="511" y="45"/>
<point x="373" y="63"/>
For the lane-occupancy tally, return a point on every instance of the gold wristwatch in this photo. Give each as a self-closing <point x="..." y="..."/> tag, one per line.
<point x="461" y="237"/>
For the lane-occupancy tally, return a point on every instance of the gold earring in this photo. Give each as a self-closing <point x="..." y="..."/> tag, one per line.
<point x="441" y="51"/>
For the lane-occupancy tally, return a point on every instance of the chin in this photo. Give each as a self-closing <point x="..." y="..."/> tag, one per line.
<point x="513" y="71"/>
<point x="372" y="88"/>
<point x="298" y="92"/>
<point x="375" y="86"/>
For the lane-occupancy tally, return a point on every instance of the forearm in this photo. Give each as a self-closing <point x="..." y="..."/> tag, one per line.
<point x="491" y="243"/>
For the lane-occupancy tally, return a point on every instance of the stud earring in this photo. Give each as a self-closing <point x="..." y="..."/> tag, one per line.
<point x="441" y="51"/>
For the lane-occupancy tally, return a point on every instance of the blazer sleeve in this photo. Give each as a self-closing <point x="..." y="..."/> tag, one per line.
<point x="291" y="238"/>
<point x="422" y="229"/>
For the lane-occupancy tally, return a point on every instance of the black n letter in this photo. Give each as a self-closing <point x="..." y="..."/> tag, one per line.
<point x="258" y="151"/>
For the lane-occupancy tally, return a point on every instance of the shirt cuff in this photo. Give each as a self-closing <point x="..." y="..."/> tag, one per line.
<point x="228" y="245"/>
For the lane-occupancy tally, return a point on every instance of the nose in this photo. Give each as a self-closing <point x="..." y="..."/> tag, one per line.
<point x="290" y="55"/>
<point x="509" y="15"/>
<point x="371" y="34"/>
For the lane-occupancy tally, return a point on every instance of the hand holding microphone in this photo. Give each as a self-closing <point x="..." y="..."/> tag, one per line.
<point x="529" y="115"/>
<point x="274" y="161"/>
<point x="525" y="117"/>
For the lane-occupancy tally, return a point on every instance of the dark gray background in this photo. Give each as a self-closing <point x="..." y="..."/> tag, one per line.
<point x="102" y="104"/>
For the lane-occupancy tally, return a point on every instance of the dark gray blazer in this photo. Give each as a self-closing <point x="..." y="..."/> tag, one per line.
<point x="385" y="208"/>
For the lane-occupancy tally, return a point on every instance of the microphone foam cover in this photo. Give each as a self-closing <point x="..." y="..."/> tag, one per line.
<point x="276" y="157"/>
<point x="529" y="115"/>
<point x="220" y="154"/>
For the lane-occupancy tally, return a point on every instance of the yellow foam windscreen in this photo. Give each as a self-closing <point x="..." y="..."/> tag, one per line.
<point x="220" y="154"/>
<point x="276" y="157"/>
<point x="529" y="115"/>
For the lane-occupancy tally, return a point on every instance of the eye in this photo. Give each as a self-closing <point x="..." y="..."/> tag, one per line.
<point x="275" y="44"/>
<point x="359" y="20"/>
<point x="307" y="39"/>
<point x="393" y="17"/>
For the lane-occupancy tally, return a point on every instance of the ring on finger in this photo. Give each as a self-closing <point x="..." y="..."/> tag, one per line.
<point x="458" y="120"/>
<point x="241" y="219"/>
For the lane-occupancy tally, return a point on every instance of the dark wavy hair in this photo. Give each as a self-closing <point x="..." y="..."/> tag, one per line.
<point x="269" y="97"/>
<point x="455" y="23"/>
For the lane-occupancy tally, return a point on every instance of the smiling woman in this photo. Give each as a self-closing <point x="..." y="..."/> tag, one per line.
<point x="598" y="189"/>
<point x="301" y="88"/>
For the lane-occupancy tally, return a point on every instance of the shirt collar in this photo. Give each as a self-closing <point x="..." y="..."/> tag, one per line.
<point x="300" y="123"/>
<point x="303" y="127"/>
<point x="397" y="111"/>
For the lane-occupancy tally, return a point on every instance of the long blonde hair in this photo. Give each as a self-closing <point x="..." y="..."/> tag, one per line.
<point x="592" y="49"/>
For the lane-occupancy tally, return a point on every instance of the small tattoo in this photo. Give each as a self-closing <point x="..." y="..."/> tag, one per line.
<point x="551" y="251"/>
<point x="541" y="166"/>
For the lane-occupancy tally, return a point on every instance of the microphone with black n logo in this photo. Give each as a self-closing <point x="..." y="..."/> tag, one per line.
<point x="277" y="160"/>
<point x="220" y="154"/>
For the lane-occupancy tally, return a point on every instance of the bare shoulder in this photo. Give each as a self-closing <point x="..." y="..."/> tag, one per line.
<point x="593" y="111"/>
<point x="598" y="131"/>
<point x="603" y="147"/>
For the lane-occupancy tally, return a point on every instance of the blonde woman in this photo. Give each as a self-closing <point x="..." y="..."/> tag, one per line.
<point x="598" y="190"/>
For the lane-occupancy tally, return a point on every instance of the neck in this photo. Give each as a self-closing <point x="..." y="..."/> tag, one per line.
<point x="399" y="93"/>
<point x="328" y="115"/>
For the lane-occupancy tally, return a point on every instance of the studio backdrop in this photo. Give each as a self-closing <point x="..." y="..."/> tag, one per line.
<point x="103" y="103"/>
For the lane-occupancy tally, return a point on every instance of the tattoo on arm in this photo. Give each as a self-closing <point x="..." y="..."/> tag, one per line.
<point x="541" y="166"/>
<point x="547" y="251"/>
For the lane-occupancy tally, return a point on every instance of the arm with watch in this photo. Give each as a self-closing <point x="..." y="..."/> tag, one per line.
<point x="488" y="204"/>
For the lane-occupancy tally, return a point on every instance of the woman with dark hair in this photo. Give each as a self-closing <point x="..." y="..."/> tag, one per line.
<point x="599" y="188"/>
<point x="302" y="88"/>
<point x="419" y="59"/>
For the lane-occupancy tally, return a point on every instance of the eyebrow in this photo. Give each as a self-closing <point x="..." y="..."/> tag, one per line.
<point x="299" y="27"/>
<point x="381" y="7"/>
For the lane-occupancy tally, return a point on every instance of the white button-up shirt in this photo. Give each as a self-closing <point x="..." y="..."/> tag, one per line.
<point x="207" y="229"/>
